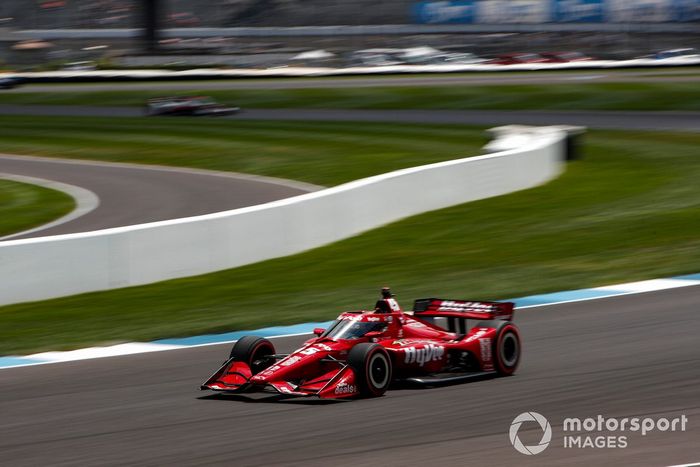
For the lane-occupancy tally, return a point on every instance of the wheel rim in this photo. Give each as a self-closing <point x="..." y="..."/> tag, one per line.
<point x="509" y="350"/>
<point x="258" y="360"/>
<point x="378" y="370"/>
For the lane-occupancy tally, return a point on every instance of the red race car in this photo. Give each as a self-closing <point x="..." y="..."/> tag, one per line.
<point x="362" y="352"/>
<point x="517" y="59"/>
<point x="565" y="57"/>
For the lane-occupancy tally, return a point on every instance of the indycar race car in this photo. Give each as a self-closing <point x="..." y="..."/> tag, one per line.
<point x="9" y="82"/>
<point x="362" y="352"/>
<point x="187" y="106"/>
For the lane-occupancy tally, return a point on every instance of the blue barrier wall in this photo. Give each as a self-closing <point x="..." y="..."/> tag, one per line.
<point x="555" y="11"/>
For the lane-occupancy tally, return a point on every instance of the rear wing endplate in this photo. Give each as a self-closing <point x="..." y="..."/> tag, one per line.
<point x="463" y="309"/>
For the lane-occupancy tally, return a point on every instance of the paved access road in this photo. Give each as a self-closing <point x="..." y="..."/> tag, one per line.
<point x="628" y="356"/>
<point x="134" y="194"/>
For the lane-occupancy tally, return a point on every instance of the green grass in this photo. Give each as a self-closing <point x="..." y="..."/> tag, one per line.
<point x="630" y="210"/>
<point x="679" y="74"/>
<point x="569" y="96"/>
<point x="322" y="153"/>
<point x="23" y="206"/>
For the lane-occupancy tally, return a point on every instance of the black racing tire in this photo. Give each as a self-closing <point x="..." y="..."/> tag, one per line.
<point x="507" y="347"/>
<point x="253" y="350"/>
<point x="372" y="367"/>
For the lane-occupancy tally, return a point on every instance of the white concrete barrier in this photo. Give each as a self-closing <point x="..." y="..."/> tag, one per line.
<point x="48" y="267"/>
<point x="299" y="71"/>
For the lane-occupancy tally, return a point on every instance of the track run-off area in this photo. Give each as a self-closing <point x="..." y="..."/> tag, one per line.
<point x="629" y="356"/>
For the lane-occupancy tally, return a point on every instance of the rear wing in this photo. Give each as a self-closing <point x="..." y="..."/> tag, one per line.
<point x="463" y="309"/>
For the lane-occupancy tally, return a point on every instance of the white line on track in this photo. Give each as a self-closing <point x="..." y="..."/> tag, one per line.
<point x="631" y="288"/>
<point x="120" y="350"/>
<point x="85" y="201"/>
<point x="621" y="290"/>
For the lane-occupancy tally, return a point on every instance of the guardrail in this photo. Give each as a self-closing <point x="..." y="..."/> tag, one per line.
<point x="319" y="71"/>
<point x="48" y="267"/>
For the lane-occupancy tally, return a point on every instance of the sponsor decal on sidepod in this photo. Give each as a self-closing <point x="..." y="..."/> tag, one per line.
<point x="430" y="353"/>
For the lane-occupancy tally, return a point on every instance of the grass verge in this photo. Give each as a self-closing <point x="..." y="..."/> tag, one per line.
<point x="573" y="96"/>
<point x="24" y="206"/>
<point x="630" y="210"/>
<point x="324" y="153"/>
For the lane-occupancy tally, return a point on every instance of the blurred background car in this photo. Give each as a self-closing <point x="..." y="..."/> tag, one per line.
<point x="517" y="58"/>
<point x="9" y="82"/>
<point x="677" y="53"/>
<point x="462" y="59"/>
<point x="84" y="65"/>
<point x="565" y="57"/>
<point x="188" y="106"/>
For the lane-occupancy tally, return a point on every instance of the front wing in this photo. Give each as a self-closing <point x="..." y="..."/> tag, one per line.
<point x="236" y="377"/>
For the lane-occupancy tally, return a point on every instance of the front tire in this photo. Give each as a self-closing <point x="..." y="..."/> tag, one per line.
<point x="254" y="351"/>
<point x="372" y="367"/>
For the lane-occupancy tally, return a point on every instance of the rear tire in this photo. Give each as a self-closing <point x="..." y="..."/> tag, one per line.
<point x="506" y="346"/>
<point x="372" y="367"/>
<point x="254" y="351"/>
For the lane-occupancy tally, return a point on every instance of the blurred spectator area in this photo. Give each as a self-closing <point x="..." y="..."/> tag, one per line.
<point x="316" y="12"/>
<point x="73" y="14"/>
<point x="69" y="14"/>
<point x="634" y="28"/>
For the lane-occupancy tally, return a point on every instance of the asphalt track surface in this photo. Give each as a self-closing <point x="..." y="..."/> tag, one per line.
<point x="632" y="356"/>
<point x="136" y="194"/>
<point x="678" y="121"/>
